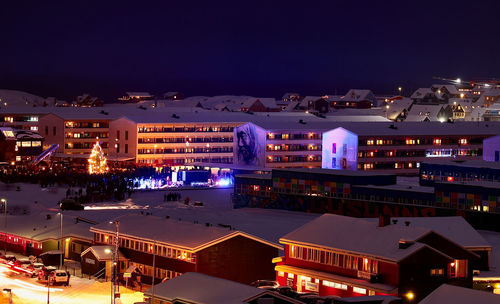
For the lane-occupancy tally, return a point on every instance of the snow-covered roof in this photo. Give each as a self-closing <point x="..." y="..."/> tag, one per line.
<point x="170" y="94"/>
<point x="460" y="295"/>
<point x="184" y="235"/>
<point x="421" y="93"/>
<point x="291" y="106"/>
<point x="358" y="236"/>
<point x="420" y="112"/>
<point x="197" y="288"/>
<point x="454" y="228"/>
<point x="139" y="94"/>
<point x="27" y="134"/>
<point x="357" y="95"/>
<point x="268" y="102"/>
<point x="39" y="227"/>
<point x="104" y="253"/>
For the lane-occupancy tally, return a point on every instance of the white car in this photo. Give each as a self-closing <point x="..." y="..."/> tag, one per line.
<point x="59" y="277"/>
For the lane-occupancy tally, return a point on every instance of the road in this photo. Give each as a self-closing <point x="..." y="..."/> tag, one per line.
<point x="81" y="291"/>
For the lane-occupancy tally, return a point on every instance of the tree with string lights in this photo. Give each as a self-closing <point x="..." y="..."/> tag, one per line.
<point x="97" y="160"/>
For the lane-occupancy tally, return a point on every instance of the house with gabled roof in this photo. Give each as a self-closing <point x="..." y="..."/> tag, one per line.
<point x="179" y="247"/>
<point x="197" y="288"/>
<point x="344" y="256"/>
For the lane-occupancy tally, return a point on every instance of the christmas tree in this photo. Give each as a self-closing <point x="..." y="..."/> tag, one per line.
<point x="97" y="160"/>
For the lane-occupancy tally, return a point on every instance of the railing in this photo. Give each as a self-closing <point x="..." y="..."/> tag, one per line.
<point x="100" y="274"/>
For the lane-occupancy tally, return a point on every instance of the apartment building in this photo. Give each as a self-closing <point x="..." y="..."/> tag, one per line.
<point x="75" y="132"/>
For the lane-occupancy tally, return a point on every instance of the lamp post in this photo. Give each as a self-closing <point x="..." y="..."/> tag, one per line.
<point x="387" y="111"/>
<point x="116" y="152"/>
<point x="9" y="291"/>
<point x="187" y="146"/>
<point x="209" y="158"/>
<point x="61" y="240"/>
<point x="115" y="287"/>
<point x="4" y="202"/>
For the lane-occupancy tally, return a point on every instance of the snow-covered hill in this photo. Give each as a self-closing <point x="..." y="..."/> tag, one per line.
<point x="18" y="98"/>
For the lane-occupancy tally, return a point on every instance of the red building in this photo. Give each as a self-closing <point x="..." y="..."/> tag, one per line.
<point x="181" y="247"/>
<point x="344" y="256"/>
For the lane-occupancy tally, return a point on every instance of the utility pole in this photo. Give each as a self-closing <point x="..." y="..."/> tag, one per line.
<point x="4" y="201"/>
<point x="154" y="272"/>
<point x="115" y="286"/>
<point x="61" y="242"/>
<point x="48" y="289"/>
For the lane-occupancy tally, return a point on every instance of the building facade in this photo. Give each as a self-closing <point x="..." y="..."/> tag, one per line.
<point x="335" y="255"/>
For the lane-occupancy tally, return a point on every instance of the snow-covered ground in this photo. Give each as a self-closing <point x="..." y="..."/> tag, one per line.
<point x="81" y="291"/>
<point x="217" y="209"/>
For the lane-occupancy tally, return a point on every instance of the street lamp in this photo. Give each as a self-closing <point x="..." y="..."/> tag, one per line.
<point x="9" y="291"/>
<point x="209" y="158"/>
<point x="187" y="146"/>
<point x="61" y="240"/>
<point x="400" y="89"/>
<point x="4" y="203"/>
<point x="387" y="111"/>
<point x="115" y="287"/>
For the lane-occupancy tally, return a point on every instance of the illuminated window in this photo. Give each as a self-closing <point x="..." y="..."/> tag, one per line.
<point x="34" y="128"/>
<point x="450" y="178"/>
<point x="36" y="143"/>
<point x="368" y="166"/>
<point x="9" y="119"/>
<point x="290" y="275"/>
<point x="8" y="133"/>
<point x="359" y="290"/>
<point x="396" y="165"/>
<point x="380" y="142"/>
<point x="437" y="141"/>
<point x="410" y="141"/>
<point x="410" y="165"/>
<point x="369" y="142"/>
<point x="437" y="272"/>
<point x="281" y="273"/>
<point x="26" y="144"/>
<point x="463" y="141"/>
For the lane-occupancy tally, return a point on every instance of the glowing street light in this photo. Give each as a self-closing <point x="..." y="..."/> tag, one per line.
<point x="9" y="291"/>
<point x="400" y="89"/>
<point x="410" y="295"/>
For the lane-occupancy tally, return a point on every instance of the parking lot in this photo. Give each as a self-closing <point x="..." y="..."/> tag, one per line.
<point x="80" y="290"/>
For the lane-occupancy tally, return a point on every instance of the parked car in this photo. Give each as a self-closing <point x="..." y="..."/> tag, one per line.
<point x="35" y="269"/>
<point x="45" y="272"/>
<point x="311" y="298"/>
<point x="59" y="277"/>
<point x="22" y="263"/>
<point x="265" y="284"/>
<point x="287" y="291"/>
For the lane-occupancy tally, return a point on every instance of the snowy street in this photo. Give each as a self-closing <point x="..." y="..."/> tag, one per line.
<point x="81" y="291"/>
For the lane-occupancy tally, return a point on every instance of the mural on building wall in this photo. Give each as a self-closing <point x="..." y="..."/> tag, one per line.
<point x="249" y="145"/>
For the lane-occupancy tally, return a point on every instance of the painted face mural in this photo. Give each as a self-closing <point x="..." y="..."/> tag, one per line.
<point x="248" y="145"/>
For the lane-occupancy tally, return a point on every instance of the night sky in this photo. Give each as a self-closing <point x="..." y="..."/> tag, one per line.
<point x="243" y="47"/>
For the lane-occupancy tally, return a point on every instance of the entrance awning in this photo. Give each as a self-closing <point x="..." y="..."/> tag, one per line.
<point x="378" y="287"/>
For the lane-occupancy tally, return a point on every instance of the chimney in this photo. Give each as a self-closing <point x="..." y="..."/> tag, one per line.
<point x="49" y="217"/>
<point x="403" y="244"/>
<point x="407" y="223"/>
<point x="394" y="222"/>
<point x="384" y="220"/>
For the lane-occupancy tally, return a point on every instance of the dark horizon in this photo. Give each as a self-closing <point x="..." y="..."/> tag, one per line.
<point x="257" y="49"/>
